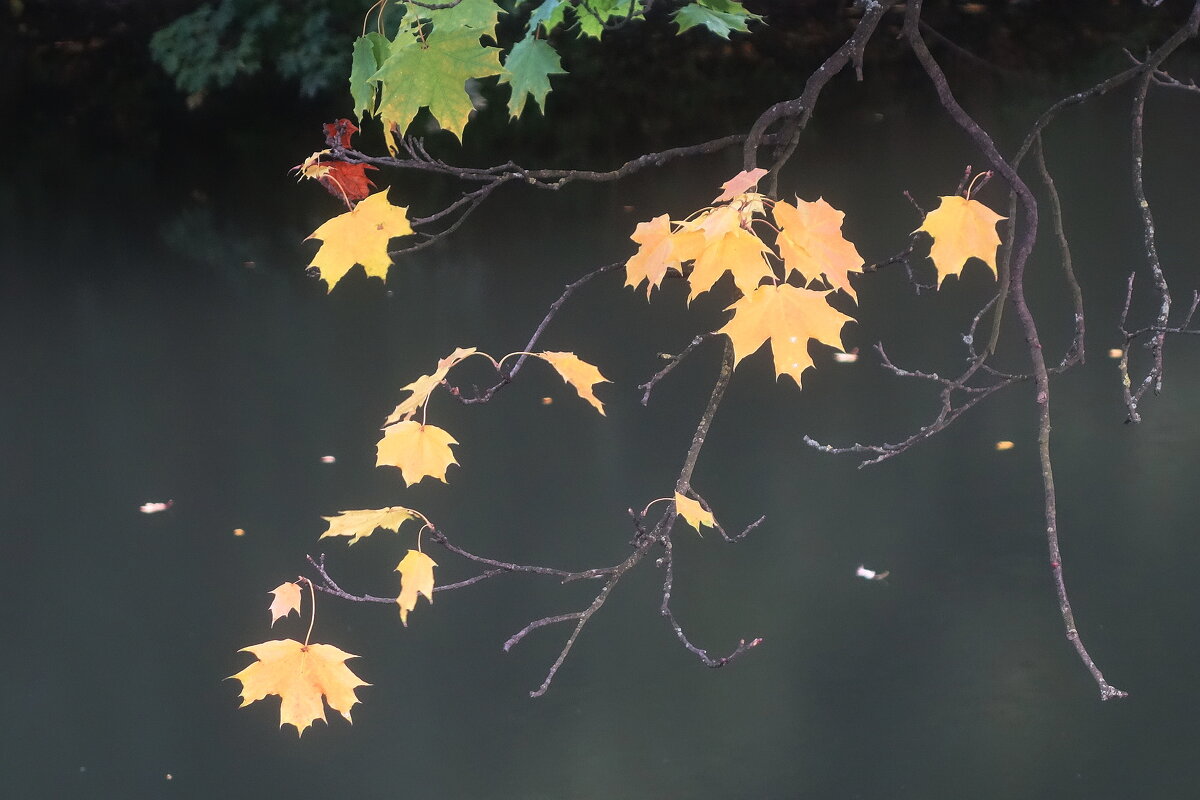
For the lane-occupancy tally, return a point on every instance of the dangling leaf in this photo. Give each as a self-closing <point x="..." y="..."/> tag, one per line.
<point x="287" y="600"/>
<point x="362" y="523"/>
<point x="721" y="17"/>
<point x="360" y="236"/>
<point x="423" y="386"/>
<point x="961" y="229"/>
<point x="581" y="375"/>
<point x="529" y="66"/>
<point x="788" y="317"/>
<point x="420" y="451"/>
<point x="416" y="578"/>
<point x="811" y="243"/>
<point x="301" y="675"/>
<point x="693" y="513"/>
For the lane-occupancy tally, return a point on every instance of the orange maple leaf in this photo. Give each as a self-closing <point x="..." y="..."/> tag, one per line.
<point x="416" y="578"/>
<point x="659" y="250"/>
<point x="287" y="600"/>
<point x="359" y="236"/>
<point x="739" y="183"/>
<point x="811" y="242"/>
<point x="728" y="247"/>
<point x="420" y="451"/>
<point x="787" y="316"/>
<point x="578" y="373"/>
<point x="301" y="675"/>
<point x="961" y="229"/>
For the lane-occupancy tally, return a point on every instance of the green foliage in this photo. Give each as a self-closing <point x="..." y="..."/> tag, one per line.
<point x="721" y="17"/>
<point x="303" y="40"/>
<point x="530" y="65"/>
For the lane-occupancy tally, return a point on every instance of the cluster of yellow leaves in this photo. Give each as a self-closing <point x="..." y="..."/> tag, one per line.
<point x="808" y="244"/>
<point x="808" y="247"/>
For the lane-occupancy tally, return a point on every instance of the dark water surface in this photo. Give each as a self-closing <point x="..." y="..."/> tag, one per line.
<point x="143" y="360"/>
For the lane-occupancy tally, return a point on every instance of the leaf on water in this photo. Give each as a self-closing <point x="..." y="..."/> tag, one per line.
<point x="693" y="513"/>
<point x="660" y="250"/>
<point x="419" y="451"/>
<point x="287" y="600"/>
<point x="578" y="373"/>
<point x="416" y="578"/>
<point x="301" y="675"/>
<point x="432" y="74"/>
<point x="788" y="317"/>
<point x="961" y="229"/>
<point x="811" y="243"/>
<point x="359" y="236"/>
<point x="423" y="386"/>
<point x="530" y="64"/>
<point x="361" y="523"/>
<point x="738" y="184"/>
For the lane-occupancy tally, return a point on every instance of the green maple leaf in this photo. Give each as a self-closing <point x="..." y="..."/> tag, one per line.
<point x="482" y="15"/>
<point x="370" y="52"/>
<point x="542" y="14"/>
<point x="530" y="64"/>
<point x="432" y="74"/>
<point x="592" y="15"/>
<point x="721" y="17"/>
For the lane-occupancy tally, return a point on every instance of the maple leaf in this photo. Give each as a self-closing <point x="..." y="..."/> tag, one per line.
<point x="787" y="316"/>
<point x="728" y="247"/>
<point x="578" y="373"/>
<point x="529" y="66"/>
<point x="660" y="250"/>
<point x="363" y="522"/>
<point x="287" y="600"/>
<point x="481" y="14"/>
<point x="369" y="53"/>
<point x="739" y="183"/>
<point x="693" y="513"/>
<point x="416" y="578"/>
<point x="423" y="386"/>
<point x="360" y="236"/>
<point x="721" y="17"/>
<point x="420" y="451"/>
<point x="961" y="229"/>
<point x="592" y="16"/>
<point x="811" y="242"/>
<point x="431" y="74"/>
<point x="301" y="675"/>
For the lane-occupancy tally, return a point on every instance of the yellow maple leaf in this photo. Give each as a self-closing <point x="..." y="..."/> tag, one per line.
<point x="739" y="183"/>
<point x="811" y="242"/>
<point x="420" y="451"/>
<point x="660" y="249"/>
<point x="693" y="513"/>
<point x="961" y="229"/>
<point x="359" y="236"/>
<point x="728" y="246"/>
<point x="287" y="600"/>
<point x="787" y="316"/>
<point x="301" y="675"/>
<point x="578" y="373"/>
<point x="423" y="386"/>
<point x="359" y="524"/>
<point x="416" y="578"/>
